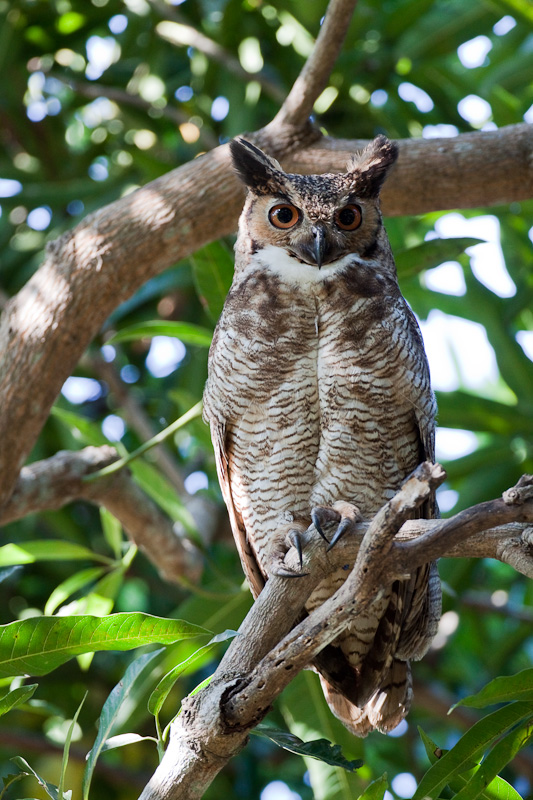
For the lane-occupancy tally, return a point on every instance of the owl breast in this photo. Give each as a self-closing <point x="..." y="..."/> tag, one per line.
<point x="309" y="382"/>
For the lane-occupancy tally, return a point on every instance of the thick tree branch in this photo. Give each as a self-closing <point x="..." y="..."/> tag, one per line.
<point x="90" y="270"/>
<point x="267" y="654"/>
<point x="56" y="481"/>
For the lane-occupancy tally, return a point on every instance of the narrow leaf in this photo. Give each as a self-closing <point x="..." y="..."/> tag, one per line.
<point x="112" y="706"/>
<point x="37" y="645"/>
<point x="430" y="254"/>
<point x="213" y="274"/>
<point x="50" y="788"/>
<point x="320" y="749"/>
<point x="376" y="790"/>
<point x="164" y="687"/>
<point x="112" y="530"/>
<point x="470" y="746"/>
<point x="46" y="550"/>
<point x="72" y="584"/>
<point x="486" y="777"/>
<point x="185" y="331"/>
<point x="66" y="748"/>
<point x="124" y="739"/>
<point x="502" y="689"/>
<point x="17" y="697"/>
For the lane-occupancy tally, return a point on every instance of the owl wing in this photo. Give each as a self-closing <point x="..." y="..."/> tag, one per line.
<point x="223" y="463"/>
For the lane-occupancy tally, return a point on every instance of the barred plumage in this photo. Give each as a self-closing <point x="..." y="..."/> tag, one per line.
<point x="319" y="394"/>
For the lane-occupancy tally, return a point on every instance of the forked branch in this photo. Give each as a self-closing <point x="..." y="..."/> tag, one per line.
<point x="269" y="651"/>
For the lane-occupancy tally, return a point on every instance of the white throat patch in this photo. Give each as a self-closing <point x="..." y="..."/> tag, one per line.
<point x="277" y="260"/>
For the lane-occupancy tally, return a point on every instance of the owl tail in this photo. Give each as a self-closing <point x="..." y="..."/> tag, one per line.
<point x="384" y="710"/>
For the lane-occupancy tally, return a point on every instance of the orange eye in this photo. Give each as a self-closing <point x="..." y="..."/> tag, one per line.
<point x="284" y="215"/>
<point x="348" y="218"/>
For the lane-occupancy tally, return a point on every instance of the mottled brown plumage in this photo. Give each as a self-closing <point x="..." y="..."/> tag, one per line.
<point x="318" y="397"/>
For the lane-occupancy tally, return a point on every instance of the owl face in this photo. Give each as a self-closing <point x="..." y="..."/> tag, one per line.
<point x="316" y="220"/>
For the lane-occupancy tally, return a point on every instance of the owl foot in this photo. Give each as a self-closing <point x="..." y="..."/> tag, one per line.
<point x="292" y="539"/>
<point x="344" y="515"/>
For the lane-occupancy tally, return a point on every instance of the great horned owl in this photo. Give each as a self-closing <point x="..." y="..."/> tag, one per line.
<point x="320" y="405"/>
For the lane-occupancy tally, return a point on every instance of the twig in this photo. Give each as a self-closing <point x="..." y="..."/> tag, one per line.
<point x="314" y="76"/>
<point x="56" y="481"/>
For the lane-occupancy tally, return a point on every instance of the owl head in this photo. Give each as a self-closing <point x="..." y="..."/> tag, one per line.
<point x="315" y="219"/>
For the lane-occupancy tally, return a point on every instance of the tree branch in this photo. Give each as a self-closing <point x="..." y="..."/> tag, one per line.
<point x="314" y="76"/>
<point x="267" y="654"/>
<point x="56" y="481"/>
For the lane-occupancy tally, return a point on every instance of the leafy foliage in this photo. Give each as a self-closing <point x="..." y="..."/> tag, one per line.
<point x="101" y="97"/>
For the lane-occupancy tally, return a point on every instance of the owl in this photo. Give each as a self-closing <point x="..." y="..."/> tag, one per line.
<point x="319" y="402"/>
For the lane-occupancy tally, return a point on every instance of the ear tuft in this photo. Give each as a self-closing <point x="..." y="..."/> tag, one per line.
<point x="262" y="174"/>
<point x="369" y="168"/>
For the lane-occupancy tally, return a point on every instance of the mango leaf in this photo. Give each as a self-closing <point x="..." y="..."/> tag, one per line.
<point x="161" y="490"/>
<point x="50" y="788"/>
<point x="66" y="748"/>
<point x="185" y="331"/>
<point x="70" y="585"/>
<point x="118" y="695"/>
<point x="485" y="778"/>
<point x="112" y="530"/>
<point x="16" y="697"/>
<point x="82" y="429"/>
<point x="430" y="254"/>
<point x="38" y="645"/>
<point x="163" y="688"/>
<point x="213" y="274"/>
<point x="376" y="790"/>
<point x="502" y="689"/>
<point x="498" y="789"/>
<point x="320" y="749"/>
<point x="470" y="747"/>
<point x="124" y="739"/>
<point x="46" y="550"/>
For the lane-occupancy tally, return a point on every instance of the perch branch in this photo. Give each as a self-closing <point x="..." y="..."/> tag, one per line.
<point x="56" y="481"/>
<point x="267" y="654"/>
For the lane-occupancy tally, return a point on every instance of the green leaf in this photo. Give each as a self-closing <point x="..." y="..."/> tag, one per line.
<point x="185" y="331"/>
<point x="502" y="689"/>
<point x="70" y="585"/>
<point x="430" y="254"/>
<point x="498" y="789"/>
<point x="470" y="747"/>
<point x="320" y="749"/>
<point x="213" y="274"/>
<point x="82" y="429"/>
<point x="66" y="748"/>
<point x="112" y="530"/>
<point x="119" y="694"/>
<point x="47" y="550"/>
<point x="376" y="790"/>
<point x="164" y="687"/>
<point x="17" y="697"/>
<point x="50" y="788"/>
<point x="485" y="778"/>
<point x="38" y="645"/>
<point x="161" y="490"/>
<point x="124" y="739"/>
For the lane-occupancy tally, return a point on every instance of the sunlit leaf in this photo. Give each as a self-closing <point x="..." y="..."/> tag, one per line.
<point x="502" y="689"/>
<point x="185" y="331"/>
<point x="376" y="790"/>
<point x="70" y="585"/>
<point x="16" y="697"/>
<point x="47" y="550"/>
<point x="37" y="645"/>
<point x="66" y="747"/>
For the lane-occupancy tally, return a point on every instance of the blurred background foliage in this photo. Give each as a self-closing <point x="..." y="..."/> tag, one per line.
<point x="98" y="98"/>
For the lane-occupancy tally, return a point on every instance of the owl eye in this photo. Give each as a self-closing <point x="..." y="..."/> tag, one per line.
<point x="284" y="215"/>
<point x="348" y="218"/>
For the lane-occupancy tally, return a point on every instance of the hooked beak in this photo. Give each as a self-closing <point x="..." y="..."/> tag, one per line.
<point x="319" y="244"/>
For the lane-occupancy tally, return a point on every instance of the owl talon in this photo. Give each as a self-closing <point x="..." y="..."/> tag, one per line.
<point x="321" y="515"/>
<point x="295" y="539"/>
<point x="282" y="572"/>
<point x="344" y="525"/>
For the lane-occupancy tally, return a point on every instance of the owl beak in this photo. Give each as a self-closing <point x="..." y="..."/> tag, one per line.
<point x="319" y="244"/>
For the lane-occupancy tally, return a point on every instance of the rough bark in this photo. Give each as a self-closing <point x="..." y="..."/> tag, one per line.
<point x="269" y="651"/>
